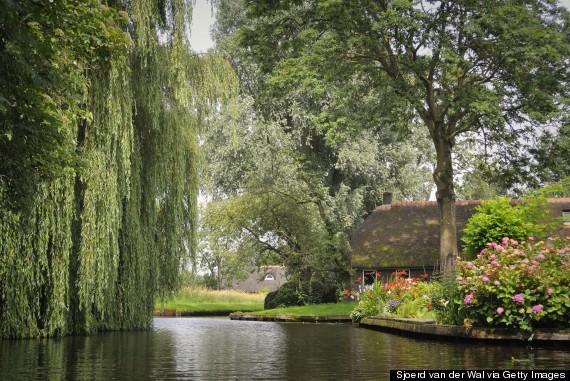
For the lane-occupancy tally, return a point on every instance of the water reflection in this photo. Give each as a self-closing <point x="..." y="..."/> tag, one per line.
<point x="221" y="349"/>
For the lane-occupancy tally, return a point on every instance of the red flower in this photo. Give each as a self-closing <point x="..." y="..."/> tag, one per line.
<point x="359" y="278"/>
<point x="424" y="275"/>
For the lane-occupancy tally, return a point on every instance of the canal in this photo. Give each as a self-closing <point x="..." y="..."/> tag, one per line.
<point x="222" y="349"/>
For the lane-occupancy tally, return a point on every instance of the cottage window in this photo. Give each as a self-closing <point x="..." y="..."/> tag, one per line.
<point x="269" y="277"/>
<point x="566" y="217"/>
<point x="370" y="276"/>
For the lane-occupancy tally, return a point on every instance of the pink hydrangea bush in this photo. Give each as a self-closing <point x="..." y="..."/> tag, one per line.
<point x="517" y="284"/>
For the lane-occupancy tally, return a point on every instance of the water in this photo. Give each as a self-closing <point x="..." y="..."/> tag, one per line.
<point x="222" y="349"/>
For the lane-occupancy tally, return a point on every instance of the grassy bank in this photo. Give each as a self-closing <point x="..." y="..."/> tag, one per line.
<point x="189" y="300"/>
<point x="335" y="309"/>
<point x="199" y="300"/>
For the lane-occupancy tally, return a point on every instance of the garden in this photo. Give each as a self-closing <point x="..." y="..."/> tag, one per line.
<point x="519" y="281"/>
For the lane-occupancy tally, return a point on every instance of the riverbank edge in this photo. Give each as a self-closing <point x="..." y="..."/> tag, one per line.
<point x="291" y="318"/>
<point x="428" y="328"/>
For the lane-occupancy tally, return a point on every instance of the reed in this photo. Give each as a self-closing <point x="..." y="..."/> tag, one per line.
<point x="192" y="299"/>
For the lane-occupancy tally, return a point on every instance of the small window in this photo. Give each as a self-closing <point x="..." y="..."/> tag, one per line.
<point x="370" y="276"/>
<point x="566" y="217"/>
<point x="269" y="277"/>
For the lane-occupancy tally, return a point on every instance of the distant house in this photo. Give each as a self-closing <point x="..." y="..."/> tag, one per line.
<point x="404" y="236"/>
<point x="266" y="278"/>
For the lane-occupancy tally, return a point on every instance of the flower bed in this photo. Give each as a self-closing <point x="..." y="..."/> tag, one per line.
<point x="402" y="296"/>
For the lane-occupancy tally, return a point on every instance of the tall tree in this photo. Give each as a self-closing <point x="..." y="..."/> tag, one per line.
<point x="296" y="191"/>
<point x="498" y="67"/>
<point x="100" y="107"/>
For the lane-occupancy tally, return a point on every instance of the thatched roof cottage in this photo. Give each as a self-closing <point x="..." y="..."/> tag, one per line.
<point x="404" y="236"/>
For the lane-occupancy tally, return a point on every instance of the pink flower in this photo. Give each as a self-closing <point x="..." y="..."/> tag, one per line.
<point x="518" y="298"/>
<point x="537" y="308"/>
<point x="549" y="291"/>
<point x="500" y="310"/>
<point x="468" y="299"/>
<point x="470" y="265"/>
<point x="495" y="263"/>
<point x="496" y="283"/>
<point x="531" y="238"/>
<point x="485" y="279"/>
<point x="540" y="256"/>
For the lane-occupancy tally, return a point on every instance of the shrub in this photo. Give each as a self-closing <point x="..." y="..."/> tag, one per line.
<point x="443" y="294"/>
<point x="520" y="285"/>
<point x="285" y="296"/>
<point x="302" y="293"/>
<point x="497" y="218"/>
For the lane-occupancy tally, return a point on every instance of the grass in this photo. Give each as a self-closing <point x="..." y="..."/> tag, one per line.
<point x="333" y="309"/>
<point x="189" y="300"/>
<point x="204" y="300"/>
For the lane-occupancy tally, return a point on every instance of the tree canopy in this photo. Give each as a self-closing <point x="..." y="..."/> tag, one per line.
<point x="293" y="191"/>
<point x="497" y="68"/>
<point x="100" y="107"/>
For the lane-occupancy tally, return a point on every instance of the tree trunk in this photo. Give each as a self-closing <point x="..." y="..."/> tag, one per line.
<point x="445" y="195"/>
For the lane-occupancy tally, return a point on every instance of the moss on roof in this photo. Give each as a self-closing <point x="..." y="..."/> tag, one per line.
<point x="404" y="234"/>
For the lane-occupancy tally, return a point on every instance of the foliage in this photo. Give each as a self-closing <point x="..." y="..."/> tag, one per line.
<point x="99" y="152"/>
<point x="221" y="249"/>
<point x="501" y="217"/>
<point x="401" y="296"/>
<point x="303" y="293"/>
<point x="287" y="191"/>
<point x="559" y="189"/>
<point x="497" y="68"/>
<point x="553" y="155"/>
<point x="516" y="284"/>
<point x="45" y="53"/>
<point x="444" y="292"/>
<point x="284" y="296"/>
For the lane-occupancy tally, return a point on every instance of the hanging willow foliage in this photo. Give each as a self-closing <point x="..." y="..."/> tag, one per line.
<point x="110" y="216"/>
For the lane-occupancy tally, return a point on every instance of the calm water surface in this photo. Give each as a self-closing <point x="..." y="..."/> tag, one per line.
<point x="222" y="349"/>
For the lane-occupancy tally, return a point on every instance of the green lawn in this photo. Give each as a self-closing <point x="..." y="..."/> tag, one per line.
<point x="189" y="300"/>
<point x="200" y="299"/>
<point x="333" y="309"/>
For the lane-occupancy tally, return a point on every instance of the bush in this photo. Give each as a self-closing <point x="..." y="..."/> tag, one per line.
<point x="443" y="294"/>
<point x="517" y="284"/>
<point x="289" y="294"/>
<point x="285" y="296"/>
<point x="497" y="218"/>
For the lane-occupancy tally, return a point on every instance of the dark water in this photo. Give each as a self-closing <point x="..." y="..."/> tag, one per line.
<point x="221" y="349"/>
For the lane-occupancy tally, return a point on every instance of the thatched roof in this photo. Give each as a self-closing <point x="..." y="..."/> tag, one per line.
<point x="266" y="277"/>
<point x="406" y="234"/>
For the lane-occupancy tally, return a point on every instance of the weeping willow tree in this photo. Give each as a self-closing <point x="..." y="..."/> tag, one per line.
<point x="101" y="104"/>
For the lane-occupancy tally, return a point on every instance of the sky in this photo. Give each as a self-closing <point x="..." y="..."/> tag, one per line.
<point x="202" y="20"/>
